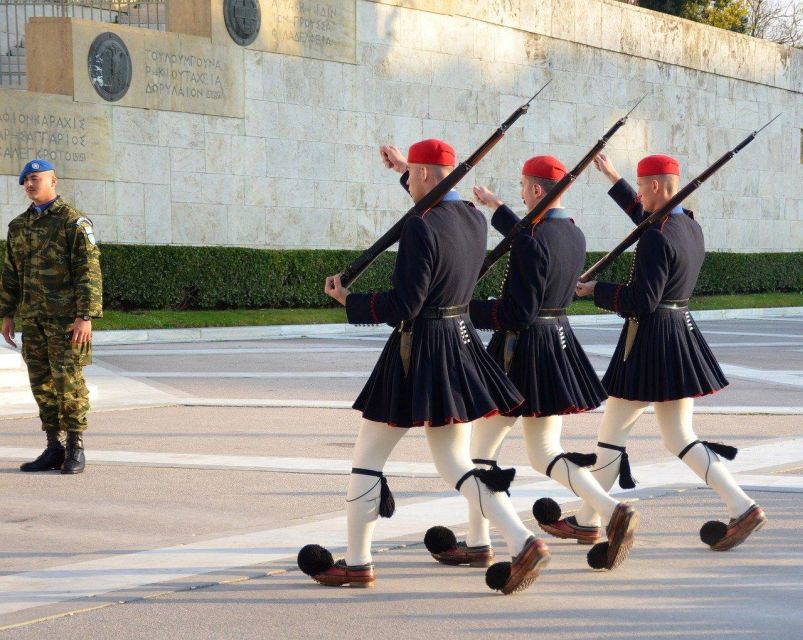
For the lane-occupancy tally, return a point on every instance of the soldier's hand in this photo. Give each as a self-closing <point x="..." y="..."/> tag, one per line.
<point x="392" y="158"/>
<point x="487" y="197"/>
<point x="583" y="289"/>
<point x="8" y="331"/>
<point x="603" y="164"/>
<point x="335" y="289"/>
<point x="82" y="330"/>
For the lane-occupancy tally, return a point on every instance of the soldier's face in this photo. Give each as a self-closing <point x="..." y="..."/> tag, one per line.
<point x="531" y="192"/>
<point x="656" y="190"/>
<point x="40" y="187"/>
<point x="418" y="181"/>
<point x="648" y="190"/>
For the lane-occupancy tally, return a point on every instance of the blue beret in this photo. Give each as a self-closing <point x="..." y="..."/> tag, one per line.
<point x="35" y="166"/>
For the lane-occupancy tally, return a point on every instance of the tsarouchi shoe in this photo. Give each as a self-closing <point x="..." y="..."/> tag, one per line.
<point x="722" y="537"/>
<point x="511" y="577"/>
<point x="339" y="575"/>
<point x="621" y="535"/>
<point x="568" y="529"/>
<point x="463" y="554"/>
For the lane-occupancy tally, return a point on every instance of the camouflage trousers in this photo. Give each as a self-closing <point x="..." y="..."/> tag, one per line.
<point x="55" y="369"/>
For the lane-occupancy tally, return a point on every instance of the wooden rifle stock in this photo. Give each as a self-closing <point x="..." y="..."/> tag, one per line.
<point x="392" y="235"/>
<point x="632" y="237"/>
<point x="536" y="215"/>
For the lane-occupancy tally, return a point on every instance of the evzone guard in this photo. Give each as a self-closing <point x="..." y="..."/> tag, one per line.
<point x="433" y="373"/>
<point x="661" y="357"/>
<point x="534" y="343"/>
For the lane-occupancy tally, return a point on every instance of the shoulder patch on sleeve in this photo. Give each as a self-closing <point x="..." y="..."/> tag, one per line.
<point x="85" y="225"/>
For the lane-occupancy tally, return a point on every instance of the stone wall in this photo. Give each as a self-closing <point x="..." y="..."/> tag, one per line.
<point x="301" y="168"/>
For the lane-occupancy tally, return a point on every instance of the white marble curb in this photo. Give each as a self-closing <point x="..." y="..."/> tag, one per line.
<point x="317" y="330"/>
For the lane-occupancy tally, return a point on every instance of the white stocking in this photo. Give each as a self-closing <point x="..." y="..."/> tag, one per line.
<point x="486" y="441"/>
<point x="675" y="423"/>
<point x="618" y="419"/>
<point x="375" y="442"/>
<point x="542" y="438"/>
<point x="450" y="446"/>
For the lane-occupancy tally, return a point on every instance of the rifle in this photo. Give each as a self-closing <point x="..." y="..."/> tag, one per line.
<point x="536" y="215"/>
<point x="679" y="197"/>
<point x="392" y="235"/>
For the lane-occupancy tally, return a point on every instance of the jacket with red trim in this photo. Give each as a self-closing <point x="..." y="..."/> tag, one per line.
<point x="545" y="262"/>
<point x="667" y="260"/>
<point x="439" y="258"/>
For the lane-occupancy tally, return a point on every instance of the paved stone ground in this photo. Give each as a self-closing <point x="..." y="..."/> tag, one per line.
<point x="187" y="521"/>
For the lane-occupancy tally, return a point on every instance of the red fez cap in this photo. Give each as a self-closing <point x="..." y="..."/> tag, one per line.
<point x="657" y="165"/>
<point x="546" y="167"/>
<point x="431" y="151"/>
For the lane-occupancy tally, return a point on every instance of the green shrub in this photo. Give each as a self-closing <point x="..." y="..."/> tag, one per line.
<point x="173" y="277"/>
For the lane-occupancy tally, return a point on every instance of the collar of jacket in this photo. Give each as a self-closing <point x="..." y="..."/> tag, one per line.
<point x="39" y="209"/>
<point x="556" y="212"/>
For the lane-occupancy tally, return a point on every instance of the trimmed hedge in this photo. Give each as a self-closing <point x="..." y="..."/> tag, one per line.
<point x="173" y="277"/>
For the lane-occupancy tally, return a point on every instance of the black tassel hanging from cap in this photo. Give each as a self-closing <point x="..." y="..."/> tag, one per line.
<point x="724" y="450"/>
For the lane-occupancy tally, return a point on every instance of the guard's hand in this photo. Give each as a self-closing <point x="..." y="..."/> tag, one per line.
<point x="487" y="197"/>
<point x="82" y="330"/>
<point x="583" y="289"/>
<point x="8" y="331"/>
<point x="334" y="289"/>
<point x="392" y="158"/>
<point x="603" y="164"/>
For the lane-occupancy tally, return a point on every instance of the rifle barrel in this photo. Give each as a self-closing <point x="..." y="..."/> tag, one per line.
<point x="632" y="237"/>
<point x="392" y="235"/>
<point x="539" y="211"/>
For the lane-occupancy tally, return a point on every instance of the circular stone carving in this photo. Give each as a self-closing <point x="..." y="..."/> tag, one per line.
<point x="109" y="65"/>
<point x="243" y="19"/>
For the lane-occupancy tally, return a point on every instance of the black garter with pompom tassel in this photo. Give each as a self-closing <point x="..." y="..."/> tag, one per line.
<point x="497" y="575"/>
<point x="496" y="478"/>
<point x="724" y="450"/>
<point x="314" y="559"/>
<point x="546" y="511"/>
<point x="387" y="503"/>
<point x="580" y="459"/>
<point x="626" y="480"/>
<point x="712" y="532"/>
<point x="439" y="539"/>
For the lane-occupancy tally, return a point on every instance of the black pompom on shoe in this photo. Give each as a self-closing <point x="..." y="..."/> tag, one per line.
<point x="597" y="556"/>
<point x="497" y="575"/>
<point x="314" y="559"/>
<point x="439" y="539"/>
<point x="546" y="511"/>
<point x="712" y="532"/>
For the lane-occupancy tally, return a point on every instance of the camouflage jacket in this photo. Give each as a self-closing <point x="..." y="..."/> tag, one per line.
<point x="52" y="265"/>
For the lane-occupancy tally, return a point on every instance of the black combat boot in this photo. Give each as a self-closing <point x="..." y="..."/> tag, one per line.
<point x="74" y="461"/>
<point x="53" y="455"/>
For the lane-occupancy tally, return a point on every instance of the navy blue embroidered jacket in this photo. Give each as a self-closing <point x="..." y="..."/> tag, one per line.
<point x="667" y="261"/>
<point x="545" y="262"/>
<point x="440" y="255"/>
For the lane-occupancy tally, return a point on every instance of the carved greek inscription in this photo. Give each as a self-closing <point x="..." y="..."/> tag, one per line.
<point x="188" y="78"/>
<point x="314" y="24"/>
<point x="318" y="28"/>
<point x="72" y="140"/>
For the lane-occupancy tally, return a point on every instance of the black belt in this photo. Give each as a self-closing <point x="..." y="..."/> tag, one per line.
<point x="552" y="313"/>
<point x="673" y="304"/>
<point x="438" y="313"/>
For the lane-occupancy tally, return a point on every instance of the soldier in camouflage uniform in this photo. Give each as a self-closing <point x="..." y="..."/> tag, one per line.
<point x="51" y="280"/>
